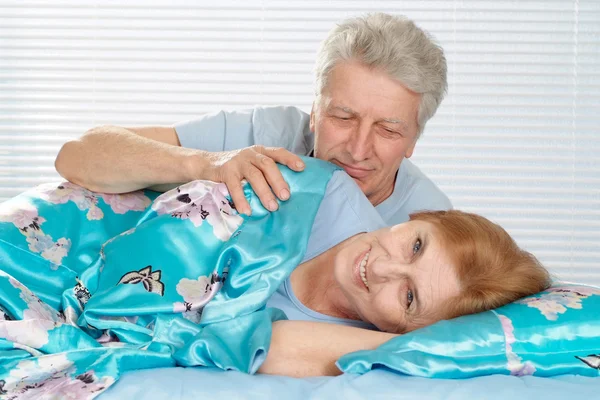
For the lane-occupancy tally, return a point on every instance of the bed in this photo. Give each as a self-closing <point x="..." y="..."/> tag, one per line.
<point x="198" y="383"/>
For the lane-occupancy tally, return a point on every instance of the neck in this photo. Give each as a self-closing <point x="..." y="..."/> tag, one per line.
<point x="379" y="197"/>
<point x="314" y="285"/>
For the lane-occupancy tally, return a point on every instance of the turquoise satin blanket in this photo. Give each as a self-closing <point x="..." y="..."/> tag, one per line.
<point x="93" y="285"/>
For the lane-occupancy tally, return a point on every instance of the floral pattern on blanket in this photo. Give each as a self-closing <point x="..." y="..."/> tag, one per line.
<point x="196" y="294"/>
<point x="31" y="330"/>
<point x="54" y="376"/>
<point x="557" y="300"/>
<point x="87" y="200"/>
<point x="26" y="219"/>
<point x="210" y="204"/>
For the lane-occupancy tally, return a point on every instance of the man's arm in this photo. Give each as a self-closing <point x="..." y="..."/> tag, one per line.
<point x="113" y="159"/>
<point x="306" y="348"/>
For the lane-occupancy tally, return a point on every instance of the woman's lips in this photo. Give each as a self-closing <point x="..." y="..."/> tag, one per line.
<point x="356" y="271"/>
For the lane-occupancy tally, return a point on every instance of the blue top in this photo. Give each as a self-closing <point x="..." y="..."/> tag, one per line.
<point x="288" y="127"/>
<point x="345" y="208"/>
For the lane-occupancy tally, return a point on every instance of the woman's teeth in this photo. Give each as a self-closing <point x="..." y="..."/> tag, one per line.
<point x="363" y="270"/>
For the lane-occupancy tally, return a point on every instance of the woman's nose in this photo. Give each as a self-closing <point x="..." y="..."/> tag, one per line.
<point x="383" y="271"/>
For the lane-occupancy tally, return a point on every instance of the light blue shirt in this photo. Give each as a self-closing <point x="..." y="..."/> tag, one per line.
<point x="288" y="127"/>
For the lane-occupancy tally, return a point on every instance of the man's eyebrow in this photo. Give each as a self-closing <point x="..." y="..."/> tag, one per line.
<point x="396" y="121"/>
<point x="347" y="110"/>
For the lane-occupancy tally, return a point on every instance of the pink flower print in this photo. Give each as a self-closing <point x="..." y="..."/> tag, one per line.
<point x="196" y="294"/>
<point x="57" y="251"/>
<point x="24" y="216"/>
<point x="548" y="307"/>
<point x="122" y="203"/>
<point x="52" y="377"/>
<point x="514" y="363"/>
<point x="508" y="329"/>
<point x="201" y="201"/>
<point x="52" y="251"/>
<point x="29" y="332"/>
<point x="582" y="291"/>
<point x="67" y="191"/>
<point x="523" y="369"/>
<point x="36" y="308"/>
<point x="557" y="300"/>
<point x="94" y="213"/>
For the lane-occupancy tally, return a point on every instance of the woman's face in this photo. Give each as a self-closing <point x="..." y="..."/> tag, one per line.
<point x="397" y="278"/>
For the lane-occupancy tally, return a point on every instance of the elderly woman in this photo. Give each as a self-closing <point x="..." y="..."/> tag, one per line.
<point x="439" y="265"/>
<point x="194" y="283"/>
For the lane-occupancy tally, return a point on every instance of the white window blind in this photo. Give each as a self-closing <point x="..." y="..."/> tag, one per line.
<point x="517" y="139"/>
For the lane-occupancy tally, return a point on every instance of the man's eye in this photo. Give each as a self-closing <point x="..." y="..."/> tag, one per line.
<point x="409" y="298"/>
<point x="417" y="246"/>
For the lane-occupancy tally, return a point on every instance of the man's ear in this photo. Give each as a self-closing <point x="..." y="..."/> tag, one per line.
<point x="312" y="118"/>
<point x="409" y="151"/>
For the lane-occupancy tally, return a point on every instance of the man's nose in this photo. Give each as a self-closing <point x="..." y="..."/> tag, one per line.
<point x="360" y="143"/>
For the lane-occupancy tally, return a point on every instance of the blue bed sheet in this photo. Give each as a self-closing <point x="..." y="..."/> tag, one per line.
<point x="201" y="383"/>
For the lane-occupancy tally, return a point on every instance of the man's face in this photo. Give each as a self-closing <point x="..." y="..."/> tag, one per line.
<point x="366" y="123"/>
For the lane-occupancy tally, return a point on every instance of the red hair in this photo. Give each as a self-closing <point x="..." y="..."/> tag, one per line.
<point x="491" y="268"/>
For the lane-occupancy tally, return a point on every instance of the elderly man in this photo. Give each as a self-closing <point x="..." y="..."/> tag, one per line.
<point x="379" y="79"/>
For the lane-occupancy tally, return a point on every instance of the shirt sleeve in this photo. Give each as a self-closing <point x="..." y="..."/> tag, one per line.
<point x="219" y="131"/>
<point x="277" y="126"/>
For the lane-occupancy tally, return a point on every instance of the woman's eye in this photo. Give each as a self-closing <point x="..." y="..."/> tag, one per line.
<point x="417" y="246"/>
<point x="409" y="298"/>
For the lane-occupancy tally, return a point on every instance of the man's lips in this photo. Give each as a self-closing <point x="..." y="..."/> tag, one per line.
<point x="355" y="172"/>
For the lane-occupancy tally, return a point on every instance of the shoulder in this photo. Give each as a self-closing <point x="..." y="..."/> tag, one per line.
<point x="414" y="191"/>
<point x="344" y="212"/>
<point x="283" y="126"/>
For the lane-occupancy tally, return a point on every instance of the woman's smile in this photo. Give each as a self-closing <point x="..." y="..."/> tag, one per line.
<point x="360" y="270"/>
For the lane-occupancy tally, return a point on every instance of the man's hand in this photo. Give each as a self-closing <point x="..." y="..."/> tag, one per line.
<point x="256" y="164"/>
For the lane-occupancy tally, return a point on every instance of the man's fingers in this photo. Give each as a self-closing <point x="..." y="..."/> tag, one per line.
<point x="285" y="157"/>
<point x="273" y="176"/>
<point x="261" y="188"/>
<point x="236" y="192"/>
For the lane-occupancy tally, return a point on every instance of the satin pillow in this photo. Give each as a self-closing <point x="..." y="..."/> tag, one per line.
<point x="551" y="333"/>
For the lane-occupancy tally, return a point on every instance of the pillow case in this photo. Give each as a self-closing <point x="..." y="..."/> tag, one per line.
<point x="551" y="333"/>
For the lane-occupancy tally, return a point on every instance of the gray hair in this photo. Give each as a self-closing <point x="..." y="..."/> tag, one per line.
<point x="395" y="45"/>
